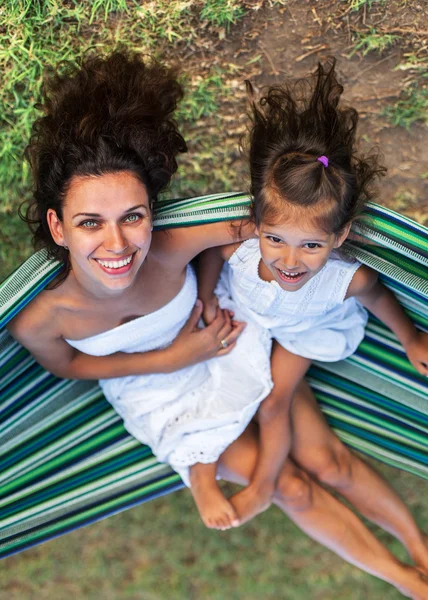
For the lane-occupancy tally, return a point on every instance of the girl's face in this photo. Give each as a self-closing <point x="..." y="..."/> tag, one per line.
<point x="107" y="227"/>
<point x="294" y="252"/>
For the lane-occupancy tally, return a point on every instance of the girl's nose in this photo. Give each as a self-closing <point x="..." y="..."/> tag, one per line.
<point x="290" y="259"/>
<point x="115" y="241"/>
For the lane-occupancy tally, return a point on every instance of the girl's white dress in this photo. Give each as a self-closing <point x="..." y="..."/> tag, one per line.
<point x="193" y="414"/>
<point x="315" y="321"/>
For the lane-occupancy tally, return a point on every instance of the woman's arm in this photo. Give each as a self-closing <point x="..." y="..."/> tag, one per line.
<point x="380" y="301"/>
<point x="182" y="244"/>
<point x="192" y="345"/>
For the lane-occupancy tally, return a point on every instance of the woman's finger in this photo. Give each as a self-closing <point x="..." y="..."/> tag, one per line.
<point x="227" y="326"/>
<point x="218" y="322"/>
<point x="227" y="343"/>
<point x="227" y="349"/>
<point x="195" y="315"/>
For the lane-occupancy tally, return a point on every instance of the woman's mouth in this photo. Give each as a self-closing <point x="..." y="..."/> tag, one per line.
<point x="290" y="277"/>
<point x="116" y="266"/>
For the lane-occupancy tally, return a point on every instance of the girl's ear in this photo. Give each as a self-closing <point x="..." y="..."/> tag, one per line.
<point x="55" y="227"/>
<point x="341" y="237"/>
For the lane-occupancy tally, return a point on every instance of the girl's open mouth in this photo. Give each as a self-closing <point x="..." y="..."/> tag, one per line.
<point x="289" y="277"/>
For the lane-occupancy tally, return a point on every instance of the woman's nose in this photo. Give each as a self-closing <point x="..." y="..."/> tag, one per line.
<point x="115" y="240"/>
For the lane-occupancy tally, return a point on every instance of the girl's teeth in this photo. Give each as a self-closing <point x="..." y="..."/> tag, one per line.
<point x="293" y="275"/>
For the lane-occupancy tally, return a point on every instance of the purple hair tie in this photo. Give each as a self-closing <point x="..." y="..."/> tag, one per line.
<point x="324" y="160"/>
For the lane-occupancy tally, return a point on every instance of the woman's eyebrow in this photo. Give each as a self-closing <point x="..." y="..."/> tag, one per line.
<point x="83" y="214"/>
<point x="135" y="207"/>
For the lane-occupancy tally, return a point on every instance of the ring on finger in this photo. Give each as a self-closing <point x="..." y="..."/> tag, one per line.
<point x="223" y="344"/>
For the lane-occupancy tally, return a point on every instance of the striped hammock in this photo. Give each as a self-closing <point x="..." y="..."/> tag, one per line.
<point x="66" y="459"/>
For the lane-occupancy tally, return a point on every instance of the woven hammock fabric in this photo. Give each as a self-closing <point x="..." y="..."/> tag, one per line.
<point x="66" y="459"/>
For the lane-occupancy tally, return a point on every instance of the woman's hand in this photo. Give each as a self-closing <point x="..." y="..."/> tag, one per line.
<point x="417" y="352"/>
<point x="194" y="345"/>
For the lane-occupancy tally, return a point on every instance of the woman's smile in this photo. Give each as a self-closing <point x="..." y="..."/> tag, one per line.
<point x="117" y="266"/>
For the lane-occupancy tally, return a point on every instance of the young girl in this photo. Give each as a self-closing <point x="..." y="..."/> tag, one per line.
<point x="123" y="311"/>
<point x="308" y="186"/>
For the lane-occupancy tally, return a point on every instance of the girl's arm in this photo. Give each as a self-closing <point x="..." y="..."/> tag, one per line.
<point x="380" y="301"/>
<point x="210" y="264"/>
<point x="192" y="345"/>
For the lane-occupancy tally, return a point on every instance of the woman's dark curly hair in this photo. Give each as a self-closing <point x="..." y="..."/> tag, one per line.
<point x="292" y="126"/>
<point x="107" y="115"/>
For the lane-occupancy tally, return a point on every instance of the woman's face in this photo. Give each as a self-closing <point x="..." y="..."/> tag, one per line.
<point x="107" y="228"/>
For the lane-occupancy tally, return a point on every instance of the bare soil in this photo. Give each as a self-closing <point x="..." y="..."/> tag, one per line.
<point x="290" y="40"/>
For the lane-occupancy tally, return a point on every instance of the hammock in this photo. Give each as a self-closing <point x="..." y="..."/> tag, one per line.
<point x="66" y="459"/>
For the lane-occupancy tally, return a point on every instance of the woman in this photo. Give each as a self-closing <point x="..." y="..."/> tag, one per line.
<point x="123" y="311"/>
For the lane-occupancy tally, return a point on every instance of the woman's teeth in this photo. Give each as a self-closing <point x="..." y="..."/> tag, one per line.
<point x="115" y="264"/>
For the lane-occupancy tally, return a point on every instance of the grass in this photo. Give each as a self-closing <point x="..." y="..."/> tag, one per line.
<point x="161" y="550"/>
<point x="372" y="41"/>
<point x="355" y="5"/>
<point x="411" y="107"/>
<point x="222" y="14"/>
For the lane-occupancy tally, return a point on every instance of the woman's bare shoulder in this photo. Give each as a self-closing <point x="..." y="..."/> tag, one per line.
<point x="39" y="317"/>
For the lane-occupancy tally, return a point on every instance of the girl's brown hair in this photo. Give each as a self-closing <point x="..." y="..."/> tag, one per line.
<point x="292" y="127"/>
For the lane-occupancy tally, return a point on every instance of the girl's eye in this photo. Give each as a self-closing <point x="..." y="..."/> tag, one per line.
<point x="274" y="239"/>
<point x="312" y="245"/>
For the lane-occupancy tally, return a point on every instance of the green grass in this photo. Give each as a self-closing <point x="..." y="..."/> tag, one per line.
<point x="372" y="41"/>
<point x="357" y="4"/>
<point x="411" y="107"/>
<point x="161" y="550"/>
<point x="222" y="14"/>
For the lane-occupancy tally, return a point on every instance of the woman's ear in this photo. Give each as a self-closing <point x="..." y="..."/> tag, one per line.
<point x="55" y="227"/>
<point x="341" y="237"/>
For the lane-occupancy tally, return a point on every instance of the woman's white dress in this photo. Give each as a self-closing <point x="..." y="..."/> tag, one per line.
<point x="316" y="321"/>
<point x="192" y="415"/>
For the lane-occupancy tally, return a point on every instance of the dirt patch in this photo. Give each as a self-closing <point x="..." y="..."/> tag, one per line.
<point x="273" y="43"/>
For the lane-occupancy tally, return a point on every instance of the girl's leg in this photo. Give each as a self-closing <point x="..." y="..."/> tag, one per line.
<point x="323" y="517"/>
<point x="215" y="510"/>
<point x="319" y="451"/>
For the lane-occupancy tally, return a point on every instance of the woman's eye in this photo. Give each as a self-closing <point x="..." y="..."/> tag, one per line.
<point x="133" y="218"/>
<point x="312" y="245"/>
<point x="89" y="224"/>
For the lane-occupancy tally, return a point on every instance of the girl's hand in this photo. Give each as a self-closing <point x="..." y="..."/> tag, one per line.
<point x="209" y="310"/>
<point x="417" y="352"/>
<point x="194" y="345"/>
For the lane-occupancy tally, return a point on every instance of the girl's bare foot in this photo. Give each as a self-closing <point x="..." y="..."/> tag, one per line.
<point x="215" y="510"/>
<point x="251" y="501"/>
